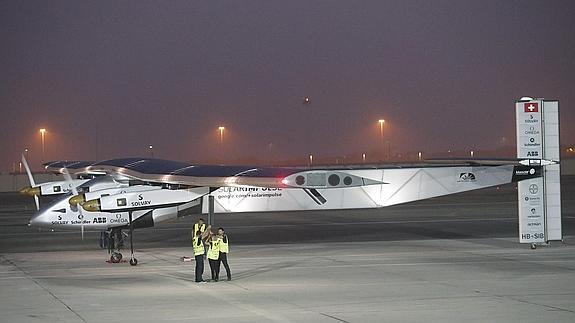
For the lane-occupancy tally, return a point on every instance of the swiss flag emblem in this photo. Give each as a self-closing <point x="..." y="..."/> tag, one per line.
<point x="531" y="107"/>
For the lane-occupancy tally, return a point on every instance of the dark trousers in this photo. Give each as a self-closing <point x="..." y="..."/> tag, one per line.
<point x="199" y="268"/>
<point x="215" y="268"/>
<point x="224" y="260"/>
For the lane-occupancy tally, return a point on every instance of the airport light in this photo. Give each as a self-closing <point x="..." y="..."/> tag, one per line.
<point x="381" y="127"/>
<point x="43" y="135"/>
<point x="151" y="149"/>
<point x="363" y="157"/>
<point x="310" y="160"/>
<point x="382" y="133"/>
<point x="221" y="129"/>
<point x="419" y="156"/>
<point x="471" y="153"/>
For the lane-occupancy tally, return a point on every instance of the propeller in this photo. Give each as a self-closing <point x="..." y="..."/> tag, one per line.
<point x="28" y="190"/>
<point x="74" y="190"/>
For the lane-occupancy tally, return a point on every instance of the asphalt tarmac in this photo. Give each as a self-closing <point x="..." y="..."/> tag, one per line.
<point x="452" y="259"/>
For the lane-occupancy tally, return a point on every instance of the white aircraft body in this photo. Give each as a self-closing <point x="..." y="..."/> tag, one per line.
<point x="139" y="192"/>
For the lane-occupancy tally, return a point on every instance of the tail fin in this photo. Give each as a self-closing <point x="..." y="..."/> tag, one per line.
<point x="538" y="144"/>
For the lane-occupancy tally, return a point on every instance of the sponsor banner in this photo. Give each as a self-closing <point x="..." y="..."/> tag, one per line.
<point x="531" y="211"/>
<point x="526" y="172"/>
<point x="529" y="134"/>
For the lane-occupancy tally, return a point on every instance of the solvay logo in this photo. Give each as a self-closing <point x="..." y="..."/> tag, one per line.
<point x="140" y="202"/>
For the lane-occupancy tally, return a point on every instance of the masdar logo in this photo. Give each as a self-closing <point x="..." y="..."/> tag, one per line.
<point x="531" y="107"/>
<point x="466" y="177"/>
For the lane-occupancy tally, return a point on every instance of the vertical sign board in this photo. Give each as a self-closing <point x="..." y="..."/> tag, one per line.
<point x="531" y="191"/>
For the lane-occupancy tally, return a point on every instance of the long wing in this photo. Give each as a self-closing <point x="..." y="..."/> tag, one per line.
<point x="179" y="173"/>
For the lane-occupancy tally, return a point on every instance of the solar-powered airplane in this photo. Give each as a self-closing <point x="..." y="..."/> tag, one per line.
<point x="131" y="193"/>
<point x="141" y="192"/>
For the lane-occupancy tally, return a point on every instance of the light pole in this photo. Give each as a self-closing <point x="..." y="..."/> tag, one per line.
<point x="221" y="129"/>
<point x="151" y="148"/>
<point x="43" y="134"/>
<point x="381" y="133"/>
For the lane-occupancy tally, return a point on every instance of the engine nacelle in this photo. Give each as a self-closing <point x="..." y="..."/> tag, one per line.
<point x="92" y="195"/>
<point x="53" y="188"/>
<point x="144" y="200"/>
<point x="326" y="179"/>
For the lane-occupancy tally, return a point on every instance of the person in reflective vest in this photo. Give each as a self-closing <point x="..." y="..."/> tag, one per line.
<point x="224" y="250"/>
<point x="214" y="256"/>
<point x="198" y="245"/>
<point x="199" y="226"/>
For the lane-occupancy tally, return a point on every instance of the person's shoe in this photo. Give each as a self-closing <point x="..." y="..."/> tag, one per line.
<point x="229" y="278"/>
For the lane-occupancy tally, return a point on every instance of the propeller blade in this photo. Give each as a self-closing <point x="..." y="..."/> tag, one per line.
<point x="30" y="177"/>
<point x="37" y="201"/>
<point x="74" y="190"/>
<point x="31" y="180"/>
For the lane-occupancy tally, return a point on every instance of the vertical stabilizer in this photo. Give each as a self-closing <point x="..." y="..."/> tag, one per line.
<point x="539" y="198"/>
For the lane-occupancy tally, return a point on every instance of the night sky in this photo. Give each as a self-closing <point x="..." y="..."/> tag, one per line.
<point x="107" y="79"/>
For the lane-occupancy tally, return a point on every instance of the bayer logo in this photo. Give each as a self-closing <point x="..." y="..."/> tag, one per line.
<point x="533" y="188"/>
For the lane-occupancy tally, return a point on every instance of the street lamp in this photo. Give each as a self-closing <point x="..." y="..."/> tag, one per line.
<point x="381" y="133"/>
<point x="310" y="160"/>
<point x="151" y="148"/>
<point x="221" y="129"/>
<point x="381" y="124"/>
<point x="43" y="134"/>
<point x="363" y="157"/>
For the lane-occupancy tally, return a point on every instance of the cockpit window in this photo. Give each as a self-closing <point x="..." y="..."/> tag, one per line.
<point x="57" y="189"/>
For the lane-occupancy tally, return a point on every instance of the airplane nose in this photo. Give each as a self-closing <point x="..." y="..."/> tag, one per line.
<point x="35" y="220"/>
<point x="40" y="219"/>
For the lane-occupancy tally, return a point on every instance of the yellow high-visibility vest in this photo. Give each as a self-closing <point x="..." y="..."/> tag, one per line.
<point x="197" y="227"/>
<point x="214" y="251"/>
<point x="224" y="247"/>
<point x="198" y="249"/>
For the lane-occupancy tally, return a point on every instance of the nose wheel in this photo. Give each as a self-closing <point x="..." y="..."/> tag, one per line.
<point x="116" y="257"/>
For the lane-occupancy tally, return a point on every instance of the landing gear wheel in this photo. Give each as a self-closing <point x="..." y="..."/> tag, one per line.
<point x="533" y="246"/>
<point x="133" y="261"/>
<point x="116" y="257"/>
